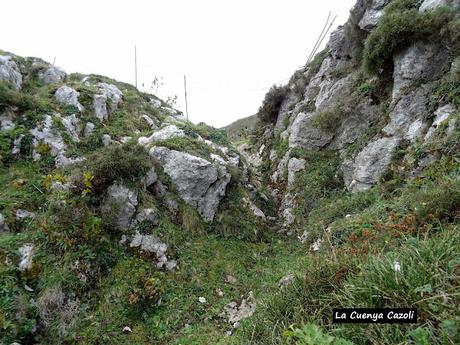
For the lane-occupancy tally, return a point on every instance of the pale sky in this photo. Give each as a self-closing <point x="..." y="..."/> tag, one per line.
<point x="230" y="51"/>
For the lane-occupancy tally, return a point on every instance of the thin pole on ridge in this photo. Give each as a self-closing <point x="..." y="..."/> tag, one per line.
<point x="135" y="66"/>
<point x="185" y="91"/>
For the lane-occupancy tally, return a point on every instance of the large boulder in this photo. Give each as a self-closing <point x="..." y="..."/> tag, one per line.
<point x="408" y="119"/>
<point x="371" y="163"/>
<point x="304" y="134"/>
<point x="68" y="96"/>
<point x="51" y="75"/>
<point x="198" y="182"/>
<point x="119" y="205"/>
<point x="9" y="71"/>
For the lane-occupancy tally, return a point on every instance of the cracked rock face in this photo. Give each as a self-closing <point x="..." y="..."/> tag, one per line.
<point x="419" y="60"/>
<point x="9" y="71"/>
<point x="305" y="135"/>
<point x="409" y="116"/>
<point x="372" y="15"/>
<point x="371" y="163"/>
<point x="120" y="205"/>
<point x="199" y="183"/>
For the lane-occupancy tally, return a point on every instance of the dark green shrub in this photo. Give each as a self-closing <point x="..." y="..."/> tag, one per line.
<point x="128" y="162"/>
<point x="268" y="111"/>
<point x="399" y="26"/>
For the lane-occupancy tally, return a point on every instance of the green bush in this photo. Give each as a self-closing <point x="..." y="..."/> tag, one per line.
<point x="268" y="111"/>
<point x="399" y="26"/>
<point x="128" y="162"/>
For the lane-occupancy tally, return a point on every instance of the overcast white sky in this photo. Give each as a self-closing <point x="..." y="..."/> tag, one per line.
<point x="230" y="51"/>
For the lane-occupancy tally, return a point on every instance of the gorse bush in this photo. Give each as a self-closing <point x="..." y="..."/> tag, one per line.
<point x="128" y="162"/>
<point x="399" y="26"/>
<point x="268" y="112"/>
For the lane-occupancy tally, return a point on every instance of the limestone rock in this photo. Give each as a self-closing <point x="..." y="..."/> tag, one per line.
<point x="150" y="121"/>
<point x="305" y="135"/>
<point x="120" y="205"/>
<point x="442" y="114"/>
<point x="26" y="252"/>
<point x="3" y="225"/>
<point x="419" y="60"/>
<point x="9" y="71"/>
<point x="170" y="131"/>
<point x="89" y="128"/>
<point x="428" y="5"/>
<point x="6" y="122"/>
<point x="106" y="140"/>
<point x="152" y="244"/>
<point x="45" y="133"/>
<point x="51" y="75"/>
<point x="100" y="107"/>
<point x="146" y="214"/>
<point x="150" y="178"/>
<point x="372" y="15"/>
<point x="295" y="165"/>
<point x="198" y="182"/>
<point x="409" y="116"/>
<point x="68" y="96"/>
<point x="371" y="163"/>
<point x="24" y="214"/>
<point x="109" y="94"/>
<point x="236" y="312"/>
<point x="72" y="124"/>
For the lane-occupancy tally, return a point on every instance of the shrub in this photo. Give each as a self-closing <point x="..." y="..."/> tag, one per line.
<point x="400" y="25"/>
<point x="310" y="334"/>
<point x="128" y="162"/>
<point x="268" y="112"/>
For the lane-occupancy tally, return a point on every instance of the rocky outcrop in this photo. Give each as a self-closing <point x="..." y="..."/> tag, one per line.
<point x="198" y="182"/>
<point x="68" y="96"/>
<point x="9" y="71"/>
<point x="170" y="131"/>
<point x="370" y="164"/>
<point x="408" y="119"/>
<point x="45" y="133"/>
<point x="372" y="15"/>
<point x="111" y="95"/>
<point x="417" y="61"/>
<point x="52" y="75"/>
<point x="304" y="134"/>
<point x="442" y="114"/>
<point x="119" y="206"/>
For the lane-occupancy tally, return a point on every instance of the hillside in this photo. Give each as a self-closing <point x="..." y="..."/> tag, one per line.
<point x="241" y="128"/>
<point x="123" y="223"/>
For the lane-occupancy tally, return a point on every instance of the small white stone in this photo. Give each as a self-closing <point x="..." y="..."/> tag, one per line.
<point x="127" y="329"/>
<point x="202" y="300"/>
